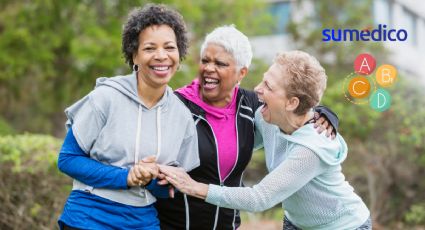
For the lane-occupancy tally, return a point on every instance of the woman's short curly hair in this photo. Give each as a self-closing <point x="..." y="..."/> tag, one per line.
<point x="152" y="14"/>
<point x="306" y="78"/>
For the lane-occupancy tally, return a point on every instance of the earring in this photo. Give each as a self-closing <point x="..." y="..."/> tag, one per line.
<point x="136" y="68"/>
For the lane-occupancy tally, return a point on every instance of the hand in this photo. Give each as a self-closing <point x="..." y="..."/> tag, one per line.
<point x="143" y="172"/>
<point x="163" y="181"/>
<point x="138" y="176"/>
<point x="322" y="124"/>
<point x="149" y="164"/>
<point x="183" y="182"/>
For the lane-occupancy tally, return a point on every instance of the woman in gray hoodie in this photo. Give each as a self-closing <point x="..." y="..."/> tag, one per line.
<point x="114" y="130"/>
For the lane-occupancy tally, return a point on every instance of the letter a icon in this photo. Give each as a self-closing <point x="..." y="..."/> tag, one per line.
<point x="364" y="64"/>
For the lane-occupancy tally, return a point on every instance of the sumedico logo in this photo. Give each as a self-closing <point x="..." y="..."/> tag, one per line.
<point x="364" y="87"/>
<point x="382" y="33"/>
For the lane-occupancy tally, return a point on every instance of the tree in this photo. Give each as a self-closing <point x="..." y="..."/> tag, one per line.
<point x="52" y="51"/>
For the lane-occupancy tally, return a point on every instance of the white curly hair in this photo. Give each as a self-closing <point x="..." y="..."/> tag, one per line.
<point x="233" y="41"/>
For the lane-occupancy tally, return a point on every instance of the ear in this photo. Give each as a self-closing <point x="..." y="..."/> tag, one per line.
<point x="292" y="104"/>
<point x="134" y="57"/>
<point x="242" y="73"/>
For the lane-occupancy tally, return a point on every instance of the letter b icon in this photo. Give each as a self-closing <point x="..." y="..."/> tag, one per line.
<point x="386" y="75"/>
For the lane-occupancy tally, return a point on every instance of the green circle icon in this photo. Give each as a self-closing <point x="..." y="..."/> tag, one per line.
<point x="380" y="100"/>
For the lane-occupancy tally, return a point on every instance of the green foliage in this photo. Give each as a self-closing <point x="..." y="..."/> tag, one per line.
<point x="29" y="153"/>
<point x="5" y="128"/>
<point x="307" y="33"/>
<point x="32" y="191"/>
<point x="52" y="51"/>
<point x="416" y="214"/>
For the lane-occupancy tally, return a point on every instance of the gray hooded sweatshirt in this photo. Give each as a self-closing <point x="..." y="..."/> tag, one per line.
<point x="114" y="127"/>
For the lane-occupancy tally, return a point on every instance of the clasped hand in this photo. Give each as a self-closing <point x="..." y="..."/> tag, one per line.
<point x="145" y="171"/>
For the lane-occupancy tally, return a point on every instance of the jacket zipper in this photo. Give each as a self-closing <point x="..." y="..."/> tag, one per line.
<point x="237" y="153"/>
<point x="218" y="164"/>
<point x="237" y="139"/>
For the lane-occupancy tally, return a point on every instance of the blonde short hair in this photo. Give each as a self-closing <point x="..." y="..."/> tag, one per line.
<point x="306" y="81"/>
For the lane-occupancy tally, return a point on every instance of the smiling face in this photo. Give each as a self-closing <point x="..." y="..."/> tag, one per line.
<point x="272" y="92"/>
<point x="157" y="55"/>
<point x="218" y="75"/>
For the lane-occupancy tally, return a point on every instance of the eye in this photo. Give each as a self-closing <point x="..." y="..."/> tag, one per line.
<point x="170" y="48"/>
<point x="221" y="64"/>
<point x="267" y="86"/>
<point x="149" y="49"/>
<point x="204" y="61"/>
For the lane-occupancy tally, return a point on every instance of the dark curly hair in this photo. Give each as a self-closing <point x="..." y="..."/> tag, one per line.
<point x="152" y="14"/>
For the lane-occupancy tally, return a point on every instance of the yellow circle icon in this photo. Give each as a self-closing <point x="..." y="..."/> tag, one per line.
<point x="359" y="87"/>
<point x="386" y="75"/>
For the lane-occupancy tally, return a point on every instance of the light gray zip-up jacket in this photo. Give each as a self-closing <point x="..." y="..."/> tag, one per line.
<point x="113" y="126"/>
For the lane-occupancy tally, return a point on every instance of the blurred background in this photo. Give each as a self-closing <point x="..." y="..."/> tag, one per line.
<point x="51" y="52"/>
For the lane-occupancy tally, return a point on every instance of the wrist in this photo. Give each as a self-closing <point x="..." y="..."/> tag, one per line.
<point x="200" y="190"/>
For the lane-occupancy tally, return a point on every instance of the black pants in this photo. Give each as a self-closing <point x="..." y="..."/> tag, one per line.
<point x="66" y="227"/>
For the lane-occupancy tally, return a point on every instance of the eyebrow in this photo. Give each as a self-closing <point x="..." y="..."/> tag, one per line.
<point x="152" y="43"/>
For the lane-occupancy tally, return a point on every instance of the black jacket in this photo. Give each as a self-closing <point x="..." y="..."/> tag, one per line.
<point x="172" y="212"/>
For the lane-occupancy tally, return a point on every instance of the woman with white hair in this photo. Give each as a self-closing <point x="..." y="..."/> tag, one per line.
<point x="305" y="167"/>
<point x="224" y="117"/>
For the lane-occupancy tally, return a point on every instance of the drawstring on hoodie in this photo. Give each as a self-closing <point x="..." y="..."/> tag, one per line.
<point x="139" y="124"/>
<point x="158" y="131"/>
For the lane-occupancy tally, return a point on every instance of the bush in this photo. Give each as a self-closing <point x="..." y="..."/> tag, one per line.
<point x="5" y="128"/>
<point x="416" y="214"/>
<point x="32" y="191"/>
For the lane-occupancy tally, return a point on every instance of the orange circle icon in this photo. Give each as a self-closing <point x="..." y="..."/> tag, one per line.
<point x="359" y="87"/>
<point x="386" y="75"/>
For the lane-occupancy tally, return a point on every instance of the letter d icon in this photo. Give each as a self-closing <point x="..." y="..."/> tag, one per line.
<point x="380" y="100"/>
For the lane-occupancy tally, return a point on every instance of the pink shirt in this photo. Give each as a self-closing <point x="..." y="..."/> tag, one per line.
<point x="223" y="125"/>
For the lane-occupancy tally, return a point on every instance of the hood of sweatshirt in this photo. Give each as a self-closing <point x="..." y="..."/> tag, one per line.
<point x="127" y="85"/>
<point x="332" y="152"/>
<point x="192" y="93"/>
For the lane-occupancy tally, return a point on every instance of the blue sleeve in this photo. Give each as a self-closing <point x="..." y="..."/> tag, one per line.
<point x="74" y="162"/>
<point x="159" y="191"/>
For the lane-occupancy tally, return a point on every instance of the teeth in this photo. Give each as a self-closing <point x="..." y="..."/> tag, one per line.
<point x="160" y="68"/>
<point x="211" y="80"/>
<point x="260" y="100"/>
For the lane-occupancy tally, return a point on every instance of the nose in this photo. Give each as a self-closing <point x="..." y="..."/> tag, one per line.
<point x="160" y="54"/>
<point x="209" y="67"/>
<point x="258" y="89"/>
